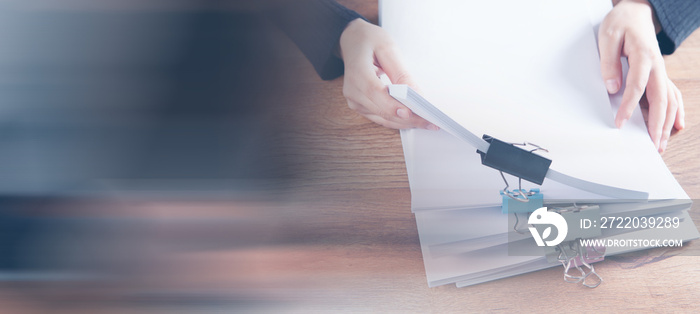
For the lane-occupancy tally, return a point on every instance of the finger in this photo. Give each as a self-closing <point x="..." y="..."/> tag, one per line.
<point x="407" y="118"/>
<point x="401" y="113"/>
<point x="396" y="125"/>
<point x="389" y="61"/>
<point x="376" y="95"/>
<point x="671" y="113"/>
<point x="385" y="123"/>
<point x="391" y="109"/>
<point x="386" y="107"/>
<point x="366" y="95"/>
<point x="415" y="120"/>
<point x="657" y="95"/>
<point x="680" y="114"/>
<point x="637" y="79"/>
<point x="610" y="47"/>
<point x="358" y="107"/>
<point x="376" y="99"/>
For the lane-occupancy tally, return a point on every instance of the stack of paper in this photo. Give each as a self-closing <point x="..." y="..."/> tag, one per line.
<point x="520" y="71"/>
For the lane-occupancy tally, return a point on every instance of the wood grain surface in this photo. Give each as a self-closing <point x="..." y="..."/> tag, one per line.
<point x="342" y="237"/>
<point x="353" y="173"/>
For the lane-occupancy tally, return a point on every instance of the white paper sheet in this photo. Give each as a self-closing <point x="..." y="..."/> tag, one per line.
<point x="518" y="71"/>
<point x="526" y="73"/>
<point x="494" y="262"/>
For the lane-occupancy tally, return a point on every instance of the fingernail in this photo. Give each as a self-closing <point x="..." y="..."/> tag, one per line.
<point x="432" y="127"/>
<point x="662" y="147"/>
<point x="621" y="123"/>
<point x="402" y="113"/>
<point x="612" y="86"/>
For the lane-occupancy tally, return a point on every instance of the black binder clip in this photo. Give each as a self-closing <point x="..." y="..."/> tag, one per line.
<point x="519" y="162"/>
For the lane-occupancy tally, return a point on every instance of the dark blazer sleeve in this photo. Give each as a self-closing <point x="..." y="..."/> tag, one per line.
<point x="315" y="27"/>
<point x="678" y="19"/>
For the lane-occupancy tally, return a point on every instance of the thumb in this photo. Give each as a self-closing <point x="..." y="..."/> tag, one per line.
<point x="389" y="61"/>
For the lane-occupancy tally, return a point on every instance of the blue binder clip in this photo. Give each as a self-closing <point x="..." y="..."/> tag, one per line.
<point x="521" y="201"/>
<point x="523" y="164"/>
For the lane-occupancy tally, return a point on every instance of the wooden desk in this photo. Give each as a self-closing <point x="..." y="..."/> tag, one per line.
<point x="360" y="245"/>
<point x="343" y="238"/>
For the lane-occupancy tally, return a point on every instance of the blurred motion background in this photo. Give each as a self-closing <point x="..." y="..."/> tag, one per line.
<point x="183" y="156"/>
<point x="136" y="137"/>
<point x="103" y="98"/>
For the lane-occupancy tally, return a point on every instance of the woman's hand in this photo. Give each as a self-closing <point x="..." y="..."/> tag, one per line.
<point x="629" y="30"/>
<point x="368" y="51"/>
